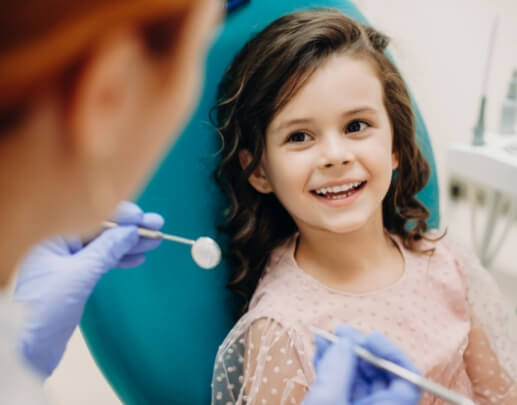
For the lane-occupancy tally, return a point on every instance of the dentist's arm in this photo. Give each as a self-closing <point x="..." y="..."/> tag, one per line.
<point x="57" y="277"/>
<point x="344" y="379"/>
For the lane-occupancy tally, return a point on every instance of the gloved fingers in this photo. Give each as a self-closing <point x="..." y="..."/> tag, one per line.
<point x="127" y="213"/>
<point x="145" y="245"/>
<point x="342" y="330"/>
<point x="106" y="251"/>
<point x="371" y="372"/>
<point x="408" y="395"/>
<point x="322" y="346"/>
<point x="152" y="220"/>
<point x="379" y="345"/>
<point x="130" y="261"/>
<point x="382" y="347"/>
<point x="386" y="388"/>
<point x="74" y="243"/>
<point x="335" y="376"/>
<point x="356" y="336"/>
<point x="403" y="389"/>
<point x="57" y="245"/>
<point x="378" y="384"/>
<point x="360" y="389"/>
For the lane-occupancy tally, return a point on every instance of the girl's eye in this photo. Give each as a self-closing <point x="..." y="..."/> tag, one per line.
<point x="357" y="126"/>
<point x="298" y="137"/>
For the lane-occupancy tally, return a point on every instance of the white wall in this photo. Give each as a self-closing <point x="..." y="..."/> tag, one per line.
<point x="440" y="46"/>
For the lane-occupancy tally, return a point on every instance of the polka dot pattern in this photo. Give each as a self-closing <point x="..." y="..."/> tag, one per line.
<point x="431" y="313"/>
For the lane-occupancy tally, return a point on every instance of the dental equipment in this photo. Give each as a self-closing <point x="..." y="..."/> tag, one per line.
<point x="205" y="252"/>
<point x="507" y="125"/>
<point x="421" y="382"/>
<point x="490" y="163"/>
<point x="479" y="130"/>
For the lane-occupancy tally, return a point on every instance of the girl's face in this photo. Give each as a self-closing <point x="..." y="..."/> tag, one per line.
<point x="328" y="155"/>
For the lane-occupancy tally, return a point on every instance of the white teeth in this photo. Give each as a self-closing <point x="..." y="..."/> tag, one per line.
<point x="337" y="189"/>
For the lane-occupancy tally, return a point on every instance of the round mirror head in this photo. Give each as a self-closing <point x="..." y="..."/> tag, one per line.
<point x="206" y="253"/>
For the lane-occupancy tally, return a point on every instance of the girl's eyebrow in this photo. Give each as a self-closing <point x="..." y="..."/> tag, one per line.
<point x="292" y="122"/>
<point x="359" y="110"/>
<point x="365" y="109"/>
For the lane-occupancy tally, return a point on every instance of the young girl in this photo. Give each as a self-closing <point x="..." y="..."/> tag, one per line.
<point x="321" y="165"/>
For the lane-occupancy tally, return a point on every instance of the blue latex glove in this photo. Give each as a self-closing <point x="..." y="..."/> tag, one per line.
<point x="344" y="379"/>
<point x="57" y="277"/>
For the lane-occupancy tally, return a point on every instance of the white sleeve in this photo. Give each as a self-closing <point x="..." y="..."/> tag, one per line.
<point x="261" y="362"/>
<point x="19" y="384"/>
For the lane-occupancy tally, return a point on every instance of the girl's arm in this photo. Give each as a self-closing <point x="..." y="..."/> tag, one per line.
<point x="491" y="355"/>
<point x="261" y="366"/>
<point x="491" y="382"/>
<point x="273" y="365"/>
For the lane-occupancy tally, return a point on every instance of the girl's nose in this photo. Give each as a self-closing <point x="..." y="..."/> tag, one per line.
<point x="335" y="151"/>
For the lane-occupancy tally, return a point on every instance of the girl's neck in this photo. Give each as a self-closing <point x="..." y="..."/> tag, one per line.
<point x="343" y="258"/>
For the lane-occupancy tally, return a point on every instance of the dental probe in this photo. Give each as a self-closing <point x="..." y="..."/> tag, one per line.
<point x="205" y="251"/>
<point x="421" y="382"/>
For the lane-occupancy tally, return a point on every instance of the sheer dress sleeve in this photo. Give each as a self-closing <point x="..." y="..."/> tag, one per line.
<point x="491" y="354"/>
<point x="261" y="362"/>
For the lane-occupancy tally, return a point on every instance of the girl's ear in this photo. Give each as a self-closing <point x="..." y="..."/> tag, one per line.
<point x="258" y="178"/>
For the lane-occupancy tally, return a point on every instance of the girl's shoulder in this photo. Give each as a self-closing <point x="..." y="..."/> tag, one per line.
<point x="438" y="258"/>
<point x="277" y="297"/>
<point x="438" y="245"/>
<point x="448" y="256"/>
<point x="280" y="276"/>
<point x="446" y="247"/>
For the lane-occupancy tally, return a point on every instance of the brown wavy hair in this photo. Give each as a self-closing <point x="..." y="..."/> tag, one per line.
<point x="264" y="77"/>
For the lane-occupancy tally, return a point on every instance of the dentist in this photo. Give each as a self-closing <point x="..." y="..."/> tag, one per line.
<point x="90" y="93"/>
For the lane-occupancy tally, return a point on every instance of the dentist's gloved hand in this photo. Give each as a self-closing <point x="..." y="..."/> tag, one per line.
<point x="57" y="277"/>
<point x="344" y="379"/>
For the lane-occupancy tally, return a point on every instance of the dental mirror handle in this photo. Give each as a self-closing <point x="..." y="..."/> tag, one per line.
<point x="149" y="233"/>
<point x="421" y="382"/>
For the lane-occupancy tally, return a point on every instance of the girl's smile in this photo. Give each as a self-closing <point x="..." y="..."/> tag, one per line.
<point x="338" y="196"/>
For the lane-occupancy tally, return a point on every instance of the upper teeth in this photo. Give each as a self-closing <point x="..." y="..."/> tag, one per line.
<point x="337" y="189"/>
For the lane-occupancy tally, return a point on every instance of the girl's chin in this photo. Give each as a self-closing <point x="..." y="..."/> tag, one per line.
<point x="345" y="228"/>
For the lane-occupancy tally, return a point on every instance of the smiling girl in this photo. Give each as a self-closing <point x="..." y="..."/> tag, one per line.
<point x="322" y="168"/>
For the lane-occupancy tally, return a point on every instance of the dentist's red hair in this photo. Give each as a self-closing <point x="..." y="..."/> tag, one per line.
<point x="43" y="42"/>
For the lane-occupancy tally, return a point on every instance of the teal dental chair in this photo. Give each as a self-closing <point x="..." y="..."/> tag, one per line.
<point x="154" y="330"/>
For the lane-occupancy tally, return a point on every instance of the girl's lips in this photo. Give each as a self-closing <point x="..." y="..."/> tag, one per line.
<point x="341" y="199"/>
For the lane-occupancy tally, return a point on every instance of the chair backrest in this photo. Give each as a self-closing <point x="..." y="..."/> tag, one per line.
<point x="154" y="331"/>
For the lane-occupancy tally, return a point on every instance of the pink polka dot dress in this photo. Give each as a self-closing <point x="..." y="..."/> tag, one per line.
<point x="445" y="312"/>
